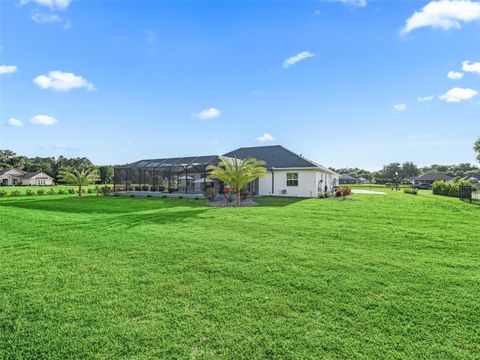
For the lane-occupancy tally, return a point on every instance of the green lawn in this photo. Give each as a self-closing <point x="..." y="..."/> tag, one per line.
<point x="378" y="276"/>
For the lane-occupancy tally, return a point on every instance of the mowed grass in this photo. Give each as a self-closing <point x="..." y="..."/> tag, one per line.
<point x="378" y="276"/>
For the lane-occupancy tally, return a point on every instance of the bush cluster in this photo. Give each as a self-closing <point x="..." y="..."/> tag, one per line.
<point x="343" y="191"/>
<point x="448" y="188"/>
<point x="45" y="191"/>
<point x="411" y="191"/>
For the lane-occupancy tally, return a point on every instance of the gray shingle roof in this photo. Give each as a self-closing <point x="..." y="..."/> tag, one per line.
<point x="347" y="177"/>
<point x="275" y="156"/>
<point x="434" y="176"/>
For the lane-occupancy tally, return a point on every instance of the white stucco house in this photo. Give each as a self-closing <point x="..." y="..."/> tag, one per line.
<point x="12" y="177"/>
<point x="288" y="174"/>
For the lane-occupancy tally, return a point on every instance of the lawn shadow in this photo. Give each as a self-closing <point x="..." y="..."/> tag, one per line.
<point x="99" y="205"/>
<point x="278" y="201"/>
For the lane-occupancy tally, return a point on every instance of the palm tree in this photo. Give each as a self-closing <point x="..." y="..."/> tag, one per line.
<point x="237" y="173"/>
<point x="476" y="147"/>
<point x="79" y="177"/>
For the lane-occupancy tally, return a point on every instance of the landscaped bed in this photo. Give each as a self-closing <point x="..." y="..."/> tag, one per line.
<point x="392" y="276"/>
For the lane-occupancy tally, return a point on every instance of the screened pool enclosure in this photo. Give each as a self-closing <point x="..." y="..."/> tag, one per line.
<point x="187" y="175"/>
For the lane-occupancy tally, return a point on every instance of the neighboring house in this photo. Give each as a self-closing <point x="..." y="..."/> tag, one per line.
<point x="362" y="180"/>
<point x="347" y="179"/>
<point x="472" y="177"/>
<point x="14" y="177"/>
<point x="288" y="174"/>
<point x="431" y="177"/>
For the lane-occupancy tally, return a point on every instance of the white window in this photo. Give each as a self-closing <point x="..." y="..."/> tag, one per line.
<point x="41" y="182"/>
<point x="292" y="179"/>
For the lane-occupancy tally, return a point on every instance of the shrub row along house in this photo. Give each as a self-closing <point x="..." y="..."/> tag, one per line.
<point x="288" y="174"/>
<point x="12" y="177"/>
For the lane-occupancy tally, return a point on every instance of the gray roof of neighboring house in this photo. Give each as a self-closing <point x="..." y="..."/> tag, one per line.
<point x="275" y="156"/>
<point x="434" y="176"/>
<point x="3" y="171"/>
<point x="475" y="176"/>
<point x="347" y="177"/>
<point x="29" y="175"/>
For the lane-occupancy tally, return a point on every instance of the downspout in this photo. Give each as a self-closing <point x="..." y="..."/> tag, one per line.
<point x="273" y="182"/>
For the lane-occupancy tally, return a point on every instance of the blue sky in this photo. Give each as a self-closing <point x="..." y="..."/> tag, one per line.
<point x="337" y="81"/>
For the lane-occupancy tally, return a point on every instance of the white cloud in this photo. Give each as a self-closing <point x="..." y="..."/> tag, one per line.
<point x="52" y="4"/>
<point x="471" y="67"/>
<point x="458" y="94"/>
<point x="15" y="122"/>
<point x="297" y="58"/>
<point x="62" y="81"/>
<point x="209" y="113"/>
<point x="43" y="120"/>
<point x="454" y="75"/>
<point x="400" y="107"/>
<point x="49" y="18"/>
<point x="265" y="138"/>
<point x="444" y="14"/>
<point x="359" y="3"/>
<point x="7" y="69"/>
<point x="425" y="98"/>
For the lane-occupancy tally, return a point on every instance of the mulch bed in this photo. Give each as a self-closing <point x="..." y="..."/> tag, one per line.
<point x="224" y="203"/>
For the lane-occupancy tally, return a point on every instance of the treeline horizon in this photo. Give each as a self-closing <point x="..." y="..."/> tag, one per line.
<point x="389" y="173"/>
<point x="406" y="171"/>
<point x="52" y="166"/>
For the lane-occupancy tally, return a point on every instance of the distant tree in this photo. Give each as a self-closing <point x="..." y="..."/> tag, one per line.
<point x="392" y="173"/>
<point x="238" y="173"/>
<point x="410" y="170"/>
<point x="476" y="147"/>
<point x="106" y="174"/>
<point x="79" y="177"/>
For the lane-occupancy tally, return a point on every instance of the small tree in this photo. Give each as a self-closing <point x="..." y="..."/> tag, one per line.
<point x="476" y="147"/>
<point x="79" y="177"/>
<point x="238" y="173"/>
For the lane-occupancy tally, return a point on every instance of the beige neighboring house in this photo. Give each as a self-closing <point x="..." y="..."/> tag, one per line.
<point x="12" y="177"/>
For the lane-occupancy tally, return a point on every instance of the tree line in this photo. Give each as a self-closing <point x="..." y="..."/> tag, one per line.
<point x="53" y="166"/>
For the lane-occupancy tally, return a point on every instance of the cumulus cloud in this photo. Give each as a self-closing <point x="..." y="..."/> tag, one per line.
<point x="266" y="137"/>
<point x="49" y="18"/>
<point x="297" y="58"/>
<point x="454" y="75"/>
<point x="444" y="14"/>
<point x="468" y="66"/>
<point x="400" y="107"/>
<point x="425" y="98"/>
<point x="457" y="94"/>
<point x="51" y="4"/>
<point x="209" y="113"/>
<point x="15" y="122"/>
<point x="43" y="120"/>
<point x="7" y="69"/>
<point x="62" y="81"/>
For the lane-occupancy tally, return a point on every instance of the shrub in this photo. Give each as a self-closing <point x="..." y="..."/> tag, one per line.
<point x="137" y="188"/>
<point x="180" y="197"/>
<point x="209" y="194"/>
<point x="3" y="193"/>
<point x="30" y="192"/>
<point x="90" y="190"/>
<point x="106" y="190"/>
<point x="149" y="196"/>
<point x="153" y="188"/>
<point x="71" y="191"/>
<point x="61" y="192"/>
<point x="51" y="192"/>
<point x="244" y="193"/>
<point x="346" y="191"/>
<point x="448" y="188"/>
<point x="83" y="191"/>
<point x="40" y="192"/>
<point x="145" y="187"/>
<point x="411" y="191"/>
<point x="15" y="193"/>
<point x="164" y="196"/>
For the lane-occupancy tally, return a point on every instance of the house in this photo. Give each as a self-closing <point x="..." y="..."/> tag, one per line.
<point x="362" y="180"/>
<point x="347" y="179"/>
<point x="288" y="174"/>
<point x="14" y="177"/>
<point x="473" y="177"/>
<point x="431" y="177"/>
